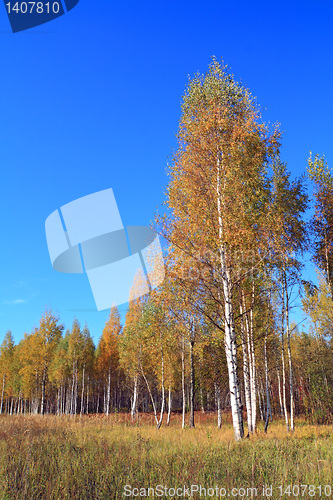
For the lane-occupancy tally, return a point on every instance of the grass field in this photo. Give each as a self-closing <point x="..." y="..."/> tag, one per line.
<point x="95" y="457"/>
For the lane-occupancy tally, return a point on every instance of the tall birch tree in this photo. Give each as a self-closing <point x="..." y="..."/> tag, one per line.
<point x="290" y="202"/>
<point x="322" y="220"/>
<point x="6" y="358"/>
<point x="218" y="198"/>
<point x="108" y="352"/>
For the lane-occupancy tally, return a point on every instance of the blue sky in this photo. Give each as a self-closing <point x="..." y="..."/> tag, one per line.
<point x="92" y="100"/>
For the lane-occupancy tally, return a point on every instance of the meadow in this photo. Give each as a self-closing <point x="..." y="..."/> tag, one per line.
<point x="97" y="457"/>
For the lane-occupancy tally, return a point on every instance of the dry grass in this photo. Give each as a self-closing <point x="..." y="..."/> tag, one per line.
<point x="94" y="457"/>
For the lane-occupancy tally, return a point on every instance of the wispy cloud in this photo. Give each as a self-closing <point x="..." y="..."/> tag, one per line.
<point x="15" y="302"/>
<point x="16" y="294"/>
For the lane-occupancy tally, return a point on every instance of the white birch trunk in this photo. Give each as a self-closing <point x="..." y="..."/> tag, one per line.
<point x="75" y="395"/>
<point x="283" y="356"/>
<point x="72" y="392"/>
<point x="192" y="384"/>
<point x="87" y="399"/>
<point x="63" y="397"/>
<point x="163" y="391"/>
<point x="3" y="391"/>
<point x="68" y="409"/>
<point x="82" y="392"/>
<point x="284" y="367"/>
<point x="169" y="406"/>
<point x="291" y="385"/>
<point x="42" y="405"/>
<point x="284" y="388"/>
<point x="253" y="374"/>
<point x="268" y="403"/>
<point x="327" y="266"/>
<point x="183" y="384"/>
<point x="151" y="397"/>
<point x="280" y="393"/>
<point x="58" y="400"/>
<point x="246" y="370"/>
<point x="261" y="398"/>
<point x="135" y="397"/>
<point x="249" y="341"/>
<point x="108" y="393"/>
<point x="219" y="406"/>
<point x="229" y="328"/>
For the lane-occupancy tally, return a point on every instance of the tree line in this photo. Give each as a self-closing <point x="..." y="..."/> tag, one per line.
<point x="217" y="334"/>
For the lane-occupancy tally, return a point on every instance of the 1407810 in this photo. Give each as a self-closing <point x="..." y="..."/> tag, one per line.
<point x="33" y="7"/>
<point x="305" y="490"/>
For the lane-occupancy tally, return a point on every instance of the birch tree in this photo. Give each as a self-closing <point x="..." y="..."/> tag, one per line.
<point x="290" y="202"/>
<point x="322" y="220"/>
<point x="158" y="329"/>
<point x="87" y="362"/>
<point x="218" y="197"/>
<point x="132" y="345"/>
<point x="75" y="347"/>
<point x="59" y="373"/>
<point x="185" y="321"/>
<point x="45" y="339"/>
<point x="6" y="358"/>
<point x="108" y="353"/>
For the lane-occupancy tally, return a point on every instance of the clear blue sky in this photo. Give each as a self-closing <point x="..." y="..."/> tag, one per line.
<point x="92" y="99"/>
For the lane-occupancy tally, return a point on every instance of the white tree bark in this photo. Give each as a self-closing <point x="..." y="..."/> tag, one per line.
<point x="75" y="390"/>
<point x="253" y="380"/>
<point x="183" y="382"/>
<point x="192" y="383"/>
<point x="82" y="392"/>
<point x="229" y="328"/>
<point x="219" y="406"/>
<point x="291" y="384"/>
<point x="87" y="399"/>
<point x="151" y="397"/>
<point x="169" y="406"/>
<point x="279" y="387"/>
<point x="268" y="403"/>
<point x="246" y="370"/>
<point x="108" y="394"/>
<point x="72" y="392"/>
<point x="135" y="397"/>
<point x="284" y="401"/>
<point x="3" y="390"/>
<point x="163" y="391"/>
<point x="284" y="388"/>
